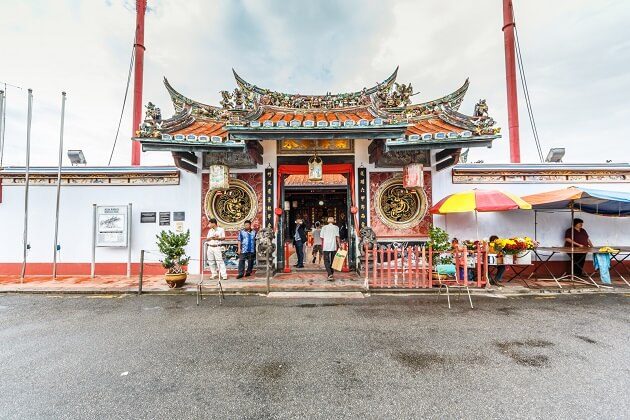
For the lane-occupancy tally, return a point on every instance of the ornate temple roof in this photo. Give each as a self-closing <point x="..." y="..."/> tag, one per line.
<point x="384" y="111"/>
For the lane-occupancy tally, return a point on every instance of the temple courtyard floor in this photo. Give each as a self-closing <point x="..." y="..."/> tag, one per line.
<point x="162" y="356"/>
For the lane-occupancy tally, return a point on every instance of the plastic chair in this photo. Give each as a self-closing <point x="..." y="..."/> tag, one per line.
<point x="456" y="283"/>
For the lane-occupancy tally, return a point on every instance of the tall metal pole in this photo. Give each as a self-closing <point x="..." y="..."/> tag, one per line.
<point x="129" y="221"/>
<point x="510" y="78"/>
<point x="141" y="7"/>
<point x="29" y="117"/>
<point x="93" y="263"/>
<point x="2" y="111"/>
<point x="56" y="244"/>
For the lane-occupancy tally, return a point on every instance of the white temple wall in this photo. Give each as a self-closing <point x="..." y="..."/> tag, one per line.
<point x="76" y="214"/>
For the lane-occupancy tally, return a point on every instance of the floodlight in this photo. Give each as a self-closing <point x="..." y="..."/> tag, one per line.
<point x="555" y="154"/>
<point x="76" y="157"/>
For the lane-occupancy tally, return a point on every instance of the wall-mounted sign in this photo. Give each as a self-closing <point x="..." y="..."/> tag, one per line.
<point x="269" y="198"/>
<point x="363" y="202"/>
<point x="413" y="176"/>
<point x="218" y="177"/>
<point x="148" y="217"/>
<point x="179" y="216"/>
<point x="165" y="218"/>
<point x="179" y="227"/>
<point x="111" y="226"/>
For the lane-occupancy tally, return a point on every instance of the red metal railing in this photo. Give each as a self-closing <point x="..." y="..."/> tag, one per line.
<point x="413" y="267"/>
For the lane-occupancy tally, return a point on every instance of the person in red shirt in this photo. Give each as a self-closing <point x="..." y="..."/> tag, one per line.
<point x="578" y="239"/>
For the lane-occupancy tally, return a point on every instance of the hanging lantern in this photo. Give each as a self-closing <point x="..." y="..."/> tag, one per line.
<point x="413" y="176"/>
<point x="315" y="172"/>
<point x="219" y="177"/>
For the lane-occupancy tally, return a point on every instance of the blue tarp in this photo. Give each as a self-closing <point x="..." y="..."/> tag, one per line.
<point x="611" y="203"/>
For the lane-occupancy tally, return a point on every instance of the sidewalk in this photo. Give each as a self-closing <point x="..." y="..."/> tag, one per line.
<point x="290" y="282"/>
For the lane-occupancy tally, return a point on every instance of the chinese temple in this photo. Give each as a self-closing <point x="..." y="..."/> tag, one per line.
<point x="273" y="157"/>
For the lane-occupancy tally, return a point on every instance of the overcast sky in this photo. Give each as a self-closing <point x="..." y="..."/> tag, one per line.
<point x="576" y="53"/>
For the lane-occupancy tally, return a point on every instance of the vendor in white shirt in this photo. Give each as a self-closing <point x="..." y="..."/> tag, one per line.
<point x="215" y="236"/>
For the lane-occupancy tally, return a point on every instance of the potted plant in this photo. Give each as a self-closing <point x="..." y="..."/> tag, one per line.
<point x="440" y="244"/>
<point x="172" y="245"/>
<point x="525" y="256"/>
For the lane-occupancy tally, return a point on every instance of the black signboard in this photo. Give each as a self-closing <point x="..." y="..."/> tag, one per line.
<point x="147" y="217"/>
<point x="363" y="188"/>
<point x="269" y="211"/>
<point x="165" y="218"/>
<point x="179" y="216"/>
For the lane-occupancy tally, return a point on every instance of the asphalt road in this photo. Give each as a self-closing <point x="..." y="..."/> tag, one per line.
<point x="255" y="357"/>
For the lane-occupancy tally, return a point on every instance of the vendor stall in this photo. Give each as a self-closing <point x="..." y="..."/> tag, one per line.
<point x="593" y="201"/>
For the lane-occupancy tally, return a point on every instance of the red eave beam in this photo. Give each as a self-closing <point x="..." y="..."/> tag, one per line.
<point x="510" y="78"/>
<point x="141" y="7"/>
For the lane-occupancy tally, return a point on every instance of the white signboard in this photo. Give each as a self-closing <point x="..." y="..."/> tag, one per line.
<point x="111" y="226"/>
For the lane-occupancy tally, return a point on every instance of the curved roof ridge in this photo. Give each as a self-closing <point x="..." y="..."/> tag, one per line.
<point x="453" y="99"/>
<point x="179" y="100"/>
<point x="367" y="91"/>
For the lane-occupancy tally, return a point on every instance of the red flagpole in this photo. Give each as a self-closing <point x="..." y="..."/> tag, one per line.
<point x="510" y="78"/>
<point x="141" y="7"/>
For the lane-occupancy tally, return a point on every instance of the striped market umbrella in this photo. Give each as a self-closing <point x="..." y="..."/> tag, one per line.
<point x="479" y="200"/>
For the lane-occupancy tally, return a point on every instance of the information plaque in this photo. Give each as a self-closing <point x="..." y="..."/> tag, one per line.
<point x="111" y="226"/>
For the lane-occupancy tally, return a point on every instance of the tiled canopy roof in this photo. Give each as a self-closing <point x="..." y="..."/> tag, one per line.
<point x="383" y="111"/>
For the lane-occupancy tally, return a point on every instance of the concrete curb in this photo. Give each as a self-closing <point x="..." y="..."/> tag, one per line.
<point x="341" y="291"/>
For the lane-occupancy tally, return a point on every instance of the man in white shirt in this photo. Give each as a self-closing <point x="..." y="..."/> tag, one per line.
<point x="330" y="243"/>
<point x="214" y="256"/>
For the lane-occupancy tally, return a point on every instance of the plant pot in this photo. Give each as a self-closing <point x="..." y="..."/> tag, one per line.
<point x="175" y="280"/>
<point x="523" y="258"/>
<point x="508" y="259"/>
<point x="493" y="259"/>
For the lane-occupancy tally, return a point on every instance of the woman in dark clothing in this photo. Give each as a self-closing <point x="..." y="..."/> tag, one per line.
<point x="578" y="239"/>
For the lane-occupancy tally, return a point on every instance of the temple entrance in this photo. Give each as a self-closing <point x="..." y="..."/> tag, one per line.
<point x="314" y="201"/>
<point x="314" y="206"/>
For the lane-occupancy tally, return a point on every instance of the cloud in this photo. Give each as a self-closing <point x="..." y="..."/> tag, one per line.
<point x="576" y="56"/>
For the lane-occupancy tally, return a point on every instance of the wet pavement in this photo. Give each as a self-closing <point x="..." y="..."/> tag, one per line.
<point x="122" y="356"/>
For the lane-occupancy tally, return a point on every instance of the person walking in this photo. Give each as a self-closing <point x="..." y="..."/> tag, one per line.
<point x="247" y="244"/>
<point x="299" y="239"/>
<point x="330" y="244"/>
<point x="317" y="243"/>
<point x="214" y="255"/>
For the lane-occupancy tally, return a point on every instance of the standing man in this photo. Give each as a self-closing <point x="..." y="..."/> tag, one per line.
<point x="299" y="239"/>
<point x="578" y="238"/>
<point x="215" y="257"/>
<point x="317" y="243"/>
<point x="330" y="241"/>
<point x="247" y="243"/>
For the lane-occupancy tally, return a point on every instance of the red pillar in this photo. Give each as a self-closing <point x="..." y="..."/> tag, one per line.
<point x="510" y="77"/>
<point x="141" y="7"/>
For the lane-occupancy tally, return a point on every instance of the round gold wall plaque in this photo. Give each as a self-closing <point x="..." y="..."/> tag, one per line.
<point x="233" y="206"/>
<point x="398" y="207"/>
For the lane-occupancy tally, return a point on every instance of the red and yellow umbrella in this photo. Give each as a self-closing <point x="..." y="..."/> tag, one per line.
<point x="479" y="200"/>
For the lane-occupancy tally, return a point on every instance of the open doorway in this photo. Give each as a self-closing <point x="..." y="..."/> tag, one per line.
<point x="314" y="206"/>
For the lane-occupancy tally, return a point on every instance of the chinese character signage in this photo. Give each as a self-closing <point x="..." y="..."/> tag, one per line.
<point x="413" y="176"/>
<point x="362" y="197"/>
<point x="269" y="198"/>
